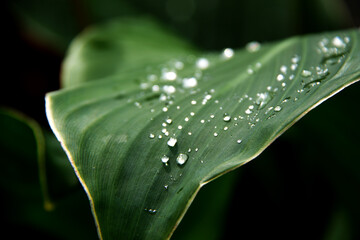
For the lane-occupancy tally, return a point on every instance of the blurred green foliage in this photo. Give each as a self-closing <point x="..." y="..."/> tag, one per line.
<point x="304" y="186"/>
<point x="32" y="164"/>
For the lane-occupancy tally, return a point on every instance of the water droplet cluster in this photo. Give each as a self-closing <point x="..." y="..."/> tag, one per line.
<point x="183" y="100"/>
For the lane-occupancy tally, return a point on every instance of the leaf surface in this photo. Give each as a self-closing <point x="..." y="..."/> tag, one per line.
<point x="203" y="117"/>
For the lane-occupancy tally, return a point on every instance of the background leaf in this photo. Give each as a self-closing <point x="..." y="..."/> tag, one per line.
<point x="120" y="47"/>
<point x="237" y="107"/>
<point x="61" y="213"/>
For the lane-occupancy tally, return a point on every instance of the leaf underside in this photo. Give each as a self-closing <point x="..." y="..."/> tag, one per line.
<point x="222" y="109"/>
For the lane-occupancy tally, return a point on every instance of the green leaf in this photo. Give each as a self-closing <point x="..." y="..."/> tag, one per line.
<point x="120" y="47"/>
<point x="16" y="130"/>
<point x="27" y="180"/>
<point x="209" y="116"/>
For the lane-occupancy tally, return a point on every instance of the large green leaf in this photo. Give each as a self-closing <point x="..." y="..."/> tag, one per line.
<point x="207" y="115"/>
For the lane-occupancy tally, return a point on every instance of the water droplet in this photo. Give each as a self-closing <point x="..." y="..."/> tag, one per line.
<point x="151" y="211"/>
<point x="212" y="116"/>
<point x="321" y="73"/>
<point x="160" y="136"/>
<point x="293" y="66"/>
<point x="165" y="159"/>
<point x="262" y="99"/>
<point x="144" y="85"/>
<point x="226" y="128"/>
<point x="280" y="77"/>
<point x="169" y="89"/>
<point x="312" y="84"/>
<point x="239" y="141"/>
<point x="162" y="97"/>
<point x="180" y="127"/>
<point x="250" y="71"/>
<point x="268" y="110"/>
<point x="189" y="82"/>
<point x="286" y="100"/>
<point x="283" y="69"/>
<point x="189" y="133"/>
<point x="295" y="59"/>
<point x="192" y="114"/>
<point x="179" y="65"/>
<point x="228" y="53"/>
<point x="227" y="118"/>
<point x="196" y="149"/>
<point x="164" y="130"/>
<point x="137" y="104"/>
<point x="186" y="119"/>
<point x="170" y="76"/>
<point x="169" y="120"/>
<point x="193" y="102"/>
<point x="166" y="187"/>
<point x="215" y="134"/>
<point x="305" y="73"/>
<point x="151" y="136"/>
<point x="202" y="121"/>
<point x="283" y="84"/>
<point x="202" y="63"/>
<point x="253" y="46"/>
<point x="332" y="54"/>
<point x="338" y="42"/>
<point x="248" y="111"/>
<point x="171" y="142"/>
<point x="207" y="97"/>
<point x="277" y="109"/>
<point x="165" y="109"/>
<point x="152" y="77"/>
<point x="291" y="77"/>
<point x="182" y="158"/>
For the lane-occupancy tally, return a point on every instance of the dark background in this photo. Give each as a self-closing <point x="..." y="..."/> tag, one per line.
<point x="306" y="185"/>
